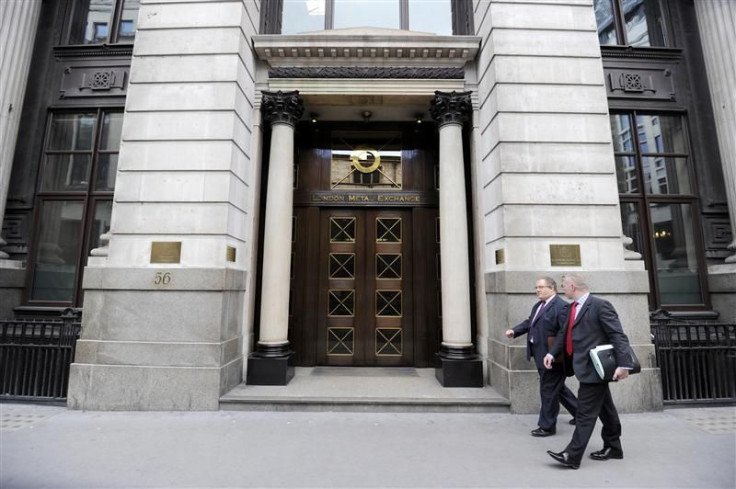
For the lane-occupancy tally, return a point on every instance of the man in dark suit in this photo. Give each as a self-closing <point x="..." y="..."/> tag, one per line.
<point x="590" y="322"/>
<point x="545" y="321"/>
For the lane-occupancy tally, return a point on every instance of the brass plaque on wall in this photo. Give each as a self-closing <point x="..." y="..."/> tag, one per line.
<point x="166" y="252"/>
<point x="499" y="256"/>
<point x="231" y="253"/>
<point x="565" y="255"/>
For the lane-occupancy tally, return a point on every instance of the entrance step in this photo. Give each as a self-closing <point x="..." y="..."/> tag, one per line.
<point x="370" y="389"/>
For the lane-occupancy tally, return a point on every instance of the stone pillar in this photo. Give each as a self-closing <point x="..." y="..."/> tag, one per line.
<point x="457" y="363"/>
<point x="272" y="363"/>
<point x="163" y="320"/>
<point x="717" y="23"/>
<point x="548" y="193"/>
<point x="18" y="25"/>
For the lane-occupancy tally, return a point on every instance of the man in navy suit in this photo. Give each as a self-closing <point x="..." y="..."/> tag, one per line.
<point x="545" y="321"/>
<point x="590" y="322"/>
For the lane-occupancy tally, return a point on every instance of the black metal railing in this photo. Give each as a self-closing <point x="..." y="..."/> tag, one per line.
<point x="35" y="355"/>
<point x="697" y="360"/>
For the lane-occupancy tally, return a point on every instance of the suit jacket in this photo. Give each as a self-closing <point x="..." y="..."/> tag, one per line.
<point x="548" y="323"/>
<point x="596" y="324"/>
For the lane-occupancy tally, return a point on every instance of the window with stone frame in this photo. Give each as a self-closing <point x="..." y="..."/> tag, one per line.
<point x="74" y="202"/>
<point x="659" y="204"/>
<point x="102" y="21"/>
<point x="638" y="23"/>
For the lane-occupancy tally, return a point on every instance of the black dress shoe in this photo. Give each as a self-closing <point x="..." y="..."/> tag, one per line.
<point x="564" y="459"/>
<point x="543" y="432"/>
<point x="606" y="453"/>
<point x="572" y="421"/>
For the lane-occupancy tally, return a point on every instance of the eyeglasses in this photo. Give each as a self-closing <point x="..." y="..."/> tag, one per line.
<point x="542" y="287"/>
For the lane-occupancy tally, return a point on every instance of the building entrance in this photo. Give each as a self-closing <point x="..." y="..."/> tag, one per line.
<point x="365" y="287"/>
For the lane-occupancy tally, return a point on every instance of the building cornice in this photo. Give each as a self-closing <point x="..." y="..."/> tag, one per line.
<point x="366" y="47"/>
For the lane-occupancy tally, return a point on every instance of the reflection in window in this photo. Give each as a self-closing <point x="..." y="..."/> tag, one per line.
<point x="621" y="132"/>
<point x="303" y="16"/>
<point x="631" y="221"/>
<point x="665" y="132"/>
<point x="604" y="16"/>
<point x="666" y="175"/>
<point x="91" y="21"/>
<point x="373" y="13"/>
<point x="642" y="25"/>
<point x="675" y="252"/>
<point x="57" y="251"/>
<point x="431" y="16"/>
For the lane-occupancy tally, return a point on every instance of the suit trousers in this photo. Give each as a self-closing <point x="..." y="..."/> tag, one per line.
<point x="553" y="392"/>
<point x="594" y="401"/>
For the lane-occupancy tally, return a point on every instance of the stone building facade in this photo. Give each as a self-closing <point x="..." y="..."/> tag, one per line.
<point x="229" y="188"/>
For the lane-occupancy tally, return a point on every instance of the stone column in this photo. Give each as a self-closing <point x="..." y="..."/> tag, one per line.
<point x="272" y="362"/>
<point x="717" y="23"/>
<point x="457" y="363"/>
<point x="18" y="25"/>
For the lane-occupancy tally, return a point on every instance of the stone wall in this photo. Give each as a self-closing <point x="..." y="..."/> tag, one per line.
<point x="171" y="335"/>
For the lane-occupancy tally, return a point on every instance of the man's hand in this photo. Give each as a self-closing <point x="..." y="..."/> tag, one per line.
<point x="548" y="360"/>
<point x="509" y="333"/>
<point x="620" y="373"/>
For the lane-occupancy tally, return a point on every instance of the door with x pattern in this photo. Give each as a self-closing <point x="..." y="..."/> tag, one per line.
<point x="365" y="298"/>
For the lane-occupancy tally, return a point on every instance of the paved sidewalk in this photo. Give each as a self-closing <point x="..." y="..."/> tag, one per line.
<point x="50" y="446"/>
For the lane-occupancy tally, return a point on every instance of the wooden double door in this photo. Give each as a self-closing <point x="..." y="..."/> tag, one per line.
<point x="368" y="292"/>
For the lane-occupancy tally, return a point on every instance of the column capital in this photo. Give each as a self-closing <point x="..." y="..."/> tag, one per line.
<point x="451" y="107"/>
<point x="282" y="107"/>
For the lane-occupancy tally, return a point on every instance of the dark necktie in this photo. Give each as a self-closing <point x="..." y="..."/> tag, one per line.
<point x="570" y="323"/>
<point x="534" y="320"/>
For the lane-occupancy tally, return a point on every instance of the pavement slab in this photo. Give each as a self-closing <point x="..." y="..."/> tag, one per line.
<point x="52" y="447"/>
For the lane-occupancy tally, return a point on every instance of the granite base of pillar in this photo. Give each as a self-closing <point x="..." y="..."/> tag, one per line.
<point x="270" y="365"/>
<point x="458" y="367"/>
<point x="12" y="280"/>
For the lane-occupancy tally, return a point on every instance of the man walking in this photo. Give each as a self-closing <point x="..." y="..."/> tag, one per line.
<point x="545" y="321"/>
<point x="590" y="322"/>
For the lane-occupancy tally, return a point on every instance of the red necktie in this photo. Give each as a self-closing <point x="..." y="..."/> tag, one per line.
<point x="570" y="323"/>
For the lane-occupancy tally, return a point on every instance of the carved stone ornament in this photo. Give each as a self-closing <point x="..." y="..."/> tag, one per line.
<point x="282" y="107"/>
<point x="451" y="108"/>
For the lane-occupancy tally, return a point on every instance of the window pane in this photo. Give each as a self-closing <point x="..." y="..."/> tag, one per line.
<point x="64" y="173"/>
<point x="128" y="21"/>
<point x="90" y="21"/>
<point x="666" y="175"/>
<point x="675" y="251"/>
<point x="57" y="252"/>
<point x="631" y="221"/>
<point x="101" y="224"/>
<point x="643" y="23"/>
<point x="660" y="134"/>
<point x="621" y="132"/>
<point x="431" y="16"/>
<point x="367" y="13"/>
<point x="303" y="16"/>
<point x="107" y="167"/>
<point x="71" y="132"/>
<point x="112" y="125"/>
<point x="628" y="183"/>
<point x="605" y="19"/>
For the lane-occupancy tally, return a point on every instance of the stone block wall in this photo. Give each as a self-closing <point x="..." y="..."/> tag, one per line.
<point x="545" y="175"/>
<point x="172" y="336"/>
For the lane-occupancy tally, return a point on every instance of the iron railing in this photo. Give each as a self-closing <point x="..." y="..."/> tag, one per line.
<point x="35" y="355"/>
<point x="697" y="360"/>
